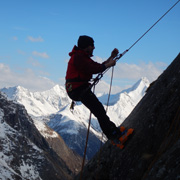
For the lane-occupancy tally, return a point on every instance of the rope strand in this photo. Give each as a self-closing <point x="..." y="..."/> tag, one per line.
<point x="153" y="25"/>
<point x="85" y="149"/>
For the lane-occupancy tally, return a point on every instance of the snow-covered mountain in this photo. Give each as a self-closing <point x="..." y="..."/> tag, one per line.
<point x="24" y="153"/>
<point x="52" y="108"/>
<point x="39" y="103"/>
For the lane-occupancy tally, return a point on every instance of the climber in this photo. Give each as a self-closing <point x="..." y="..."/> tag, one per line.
<point x="79" y="72"/>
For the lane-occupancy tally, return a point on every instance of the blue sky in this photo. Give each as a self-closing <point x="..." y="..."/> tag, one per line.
<point x="36" y="37"/>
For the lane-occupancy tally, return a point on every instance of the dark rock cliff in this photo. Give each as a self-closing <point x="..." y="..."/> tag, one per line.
<point x="153" y="152"/>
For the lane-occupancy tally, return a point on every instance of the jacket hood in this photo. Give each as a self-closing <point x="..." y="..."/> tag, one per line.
<point x="75" y="50"/>
<point x="78" y="50"/>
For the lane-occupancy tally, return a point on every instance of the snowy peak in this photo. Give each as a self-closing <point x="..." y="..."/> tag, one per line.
<point x="139" y="88"/>
<point x="143" y="82"/>
<point x="139" y="85"/>
<point x="121" y="104"/>
<point x="39" y="103"/>
<point x="53" y="100"/>
<point x="136" y="92"/>
<point x="14" y="92"/>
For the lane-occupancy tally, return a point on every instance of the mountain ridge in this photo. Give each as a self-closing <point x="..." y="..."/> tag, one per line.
<point x="52" y="108"/>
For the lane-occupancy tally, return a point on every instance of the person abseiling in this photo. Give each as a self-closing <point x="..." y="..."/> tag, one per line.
<point x="79" y="72"/>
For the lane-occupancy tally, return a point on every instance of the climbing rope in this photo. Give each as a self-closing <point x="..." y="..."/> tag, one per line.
<point x="85" y="149"/>
<point x="100" y="75"/>
<point x="87" y="137"/>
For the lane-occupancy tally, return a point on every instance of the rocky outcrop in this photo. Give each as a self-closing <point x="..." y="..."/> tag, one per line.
<point x="153" y="152"/>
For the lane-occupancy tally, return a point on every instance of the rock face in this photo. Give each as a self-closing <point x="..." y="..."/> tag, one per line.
<point x="24" y="153"/>
<point x="153" y="152"/>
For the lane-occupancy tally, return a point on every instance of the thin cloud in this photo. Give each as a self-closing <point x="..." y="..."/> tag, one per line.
<point x="134" y="71"/>
<point x="98" y="59"/>
<point x="38" y="39"/>
<point x="125" y="75"/>
<point x="42" y="55"/>
<point x="34" y="62"/>
<point x="27" y="79"/>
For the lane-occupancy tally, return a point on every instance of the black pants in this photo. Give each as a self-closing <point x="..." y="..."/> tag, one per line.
<point x="88" y="98"/>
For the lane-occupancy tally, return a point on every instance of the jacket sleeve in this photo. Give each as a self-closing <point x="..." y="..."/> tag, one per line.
<point x="87" y="65"/>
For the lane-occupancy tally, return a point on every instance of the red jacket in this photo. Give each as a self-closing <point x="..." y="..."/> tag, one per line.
<point x="81" y="68"/>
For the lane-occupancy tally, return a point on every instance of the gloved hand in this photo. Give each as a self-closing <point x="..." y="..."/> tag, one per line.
<point x="114" y="53"/>
<point x="110" y="62"/>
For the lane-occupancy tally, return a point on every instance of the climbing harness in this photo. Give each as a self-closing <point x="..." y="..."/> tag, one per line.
<point x="100" y="75"/>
